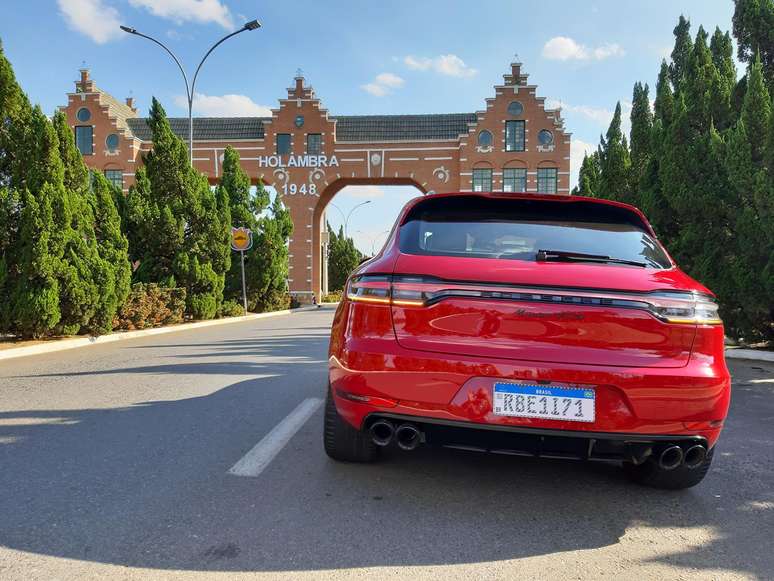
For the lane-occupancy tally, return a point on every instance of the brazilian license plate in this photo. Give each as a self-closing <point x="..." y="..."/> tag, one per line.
<point x="526" y="400"/>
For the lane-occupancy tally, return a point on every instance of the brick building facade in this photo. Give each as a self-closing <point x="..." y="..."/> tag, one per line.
<point x="513" y="144"/>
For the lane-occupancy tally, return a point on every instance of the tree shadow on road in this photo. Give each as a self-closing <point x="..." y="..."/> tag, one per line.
<point x="146" y="485"/>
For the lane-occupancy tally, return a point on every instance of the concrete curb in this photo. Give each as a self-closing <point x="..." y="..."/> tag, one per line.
<point x="752" y="354"/>
<point x="65" y="344"/>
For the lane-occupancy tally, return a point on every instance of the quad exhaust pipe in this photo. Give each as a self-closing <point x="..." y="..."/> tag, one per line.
<point x="694" y="456"/>
<point x="407" y="436"/>
<point x="382" y="432"/>
<point x="673" y="456"/>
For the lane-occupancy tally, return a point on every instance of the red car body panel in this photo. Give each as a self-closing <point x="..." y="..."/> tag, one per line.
<point x="440" y="361"/>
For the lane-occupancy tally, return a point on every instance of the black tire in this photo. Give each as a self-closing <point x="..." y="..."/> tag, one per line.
<point x="342" y="441"/>
<point x="649" y="474"/>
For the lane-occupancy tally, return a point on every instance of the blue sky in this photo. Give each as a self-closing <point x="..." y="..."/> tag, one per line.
<point x="361" y="57"/>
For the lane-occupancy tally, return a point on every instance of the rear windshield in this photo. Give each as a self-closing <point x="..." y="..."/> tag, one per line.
<point x="516" y="229"/>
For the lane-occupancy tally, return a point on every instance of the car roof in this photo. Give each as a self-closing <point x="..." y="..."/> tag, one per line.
<point x="559" y="198"/>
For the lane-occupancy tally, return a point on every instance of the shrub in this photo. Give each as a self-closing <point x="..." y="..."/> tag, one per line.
<point x="150" y="305"/>
<point x="231" y="308"/>
<point x="332" y="297"/>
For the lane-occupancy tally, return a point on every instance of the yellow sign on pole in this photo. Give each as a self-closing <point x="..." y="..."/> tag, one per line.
<point x="241" y="239"/>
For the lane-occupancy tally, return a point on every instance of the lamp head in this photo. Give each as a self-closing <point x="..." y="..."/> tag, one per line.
<point x="252" y="25"/>
<point x="129" y="29"/>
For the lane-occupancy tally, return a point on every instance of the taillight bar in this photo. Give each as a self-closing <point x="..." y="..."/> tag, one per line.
<point x="416" y="291"/>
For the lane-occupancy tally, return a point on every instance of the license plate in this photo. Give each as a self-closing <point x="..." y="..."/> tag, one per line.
<point x="524" y="400"/>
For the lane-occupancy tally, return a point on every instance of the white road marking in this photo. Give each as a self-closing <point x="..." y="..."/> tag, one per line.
<point x="261" y="455"/>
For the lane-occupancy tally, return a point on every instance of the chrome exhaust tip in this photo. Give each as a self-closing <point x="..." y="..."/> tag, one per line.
<point x="695" y="456"/>
<point x="382" y="432"/>
<point x="407" y="436"/>
<point x="670" y="458"/>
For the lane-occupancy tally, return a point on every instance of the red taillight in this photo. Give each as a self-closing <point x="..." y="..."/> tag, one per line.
<point x="369" y="289"/>
<point x="417" y="291"/>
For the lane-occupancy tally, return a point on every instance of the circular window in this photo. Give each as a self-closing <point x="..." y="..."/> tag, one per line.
<point x="545" y="137"/>
<point x="485" y="138"/>
<point x="112" y="142"/>
<point x="83" y="114"/>
<point x="515" y="108"/>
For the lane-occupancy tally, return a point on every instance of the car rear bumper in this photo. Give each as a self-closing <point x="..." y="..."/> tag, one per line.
<point x="376" y="377"/>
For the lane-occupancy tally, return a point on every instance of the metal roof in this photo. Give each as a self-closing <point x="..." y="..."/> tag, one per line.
<point x="402" y="127"/>
<point x="224" y="128"/>
<point x="348" y="127"/>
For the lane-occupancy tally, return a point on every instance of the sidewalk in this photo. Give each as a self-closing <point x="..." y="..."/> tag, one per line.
<point x="76" y="342"/>
<point x="752" y="354"/>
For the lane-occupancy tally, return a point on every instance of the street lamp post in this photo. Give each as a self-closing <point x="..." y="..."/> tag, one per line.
<point x="374" y="238"/>
<point x="346" y="218"/>
<point x="189" y="90"/>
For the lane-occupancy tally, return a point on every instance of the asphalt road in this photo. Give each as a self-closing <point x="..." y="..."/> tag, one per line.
<point x="115" y="459"/>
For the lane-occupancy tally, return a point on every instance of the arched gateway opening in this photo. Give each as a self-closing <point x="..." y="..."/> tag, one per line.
<point x="513" y="144"/>
<point x="368" y="231"/>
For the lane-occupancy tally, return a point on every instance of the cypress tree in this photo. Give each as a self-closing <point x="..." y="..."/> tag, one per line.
<point x="681" y="53"/>
<point x="588" y="177"/>
<point x="271" y="258"/>
<point x="114" y="276"/>
<point x="749" y="161"/>
<point x="640" y="135"/>
<point x="614" y="162"/>
<point x="15" y="111"/>
<point x="703" y="88"/>
<point x="753" y="23"/>
<point x="652" y="199"/>
<point x="343" y="258"/>
<point x="664" y="105"/>
<point x="181" y="238"/>
<point x="722" y="49"/>
<point x="33" y="289"/>
<point x="756" y="112"/>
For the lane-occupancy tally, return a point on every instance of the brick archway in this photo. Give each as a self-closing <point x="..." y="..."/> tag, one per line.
<point x="308" y="154"/>
<point x="317" y="245"/>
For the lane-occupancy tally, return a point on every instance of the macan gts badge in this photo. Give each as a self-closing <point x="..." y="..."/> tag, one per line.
<point x="525" y="324"/>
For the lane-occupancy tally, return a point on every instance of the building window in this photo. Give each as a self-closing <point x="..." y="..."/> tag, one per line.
<point x="84" y="139"/>
<point x="83" y="115"/>
<point x="283" y="143"/>
<point x="485" y="138"/>
<point x="514" y="136"/>
<point x="546" y="178"/>
<point x="545" y="137"/>
<point x="111" y="142"/>
<point x="515" y="109"/>
<point x="514" y="179"/>
<point x="314" y="144"/>
<point x="115" y="177"/>
<point x="482" y="180"/>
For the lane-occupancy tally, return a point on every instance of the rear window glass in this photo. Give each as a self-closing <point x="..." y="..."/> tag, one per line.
<point x="477" y="227"/>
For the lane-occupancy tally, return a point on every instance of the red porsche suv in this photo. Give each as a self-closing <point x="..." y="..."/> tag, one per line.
<point x="523" y="324"/>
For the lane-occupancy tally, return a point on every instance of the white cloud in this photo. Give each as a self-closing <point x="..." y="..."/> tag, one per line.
<point x="446" y="64"/>
<point x="599" y="115"/>
<point x="383" y="84"/>
<point x="374" y="89"/>
<point x="563" y="48"/>
<point x="188" y="10"/>
<point x="92" y="18"/>
<point x="390" y="80"/>
<point x="224" y="106"/>
<point x="578" y="148"/>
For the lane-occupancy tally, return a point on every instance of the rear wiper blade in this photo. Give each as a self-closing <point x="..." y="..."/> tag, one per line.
<point x="561" y="255"/>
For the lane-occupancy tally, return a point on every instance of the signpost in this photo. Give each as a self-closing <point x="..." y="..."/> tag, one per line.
<point x="241" y="241"/>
